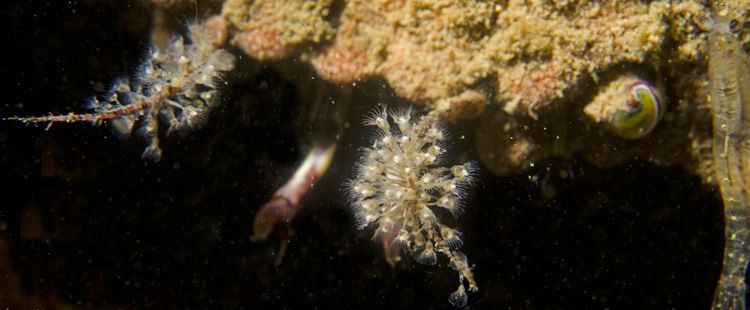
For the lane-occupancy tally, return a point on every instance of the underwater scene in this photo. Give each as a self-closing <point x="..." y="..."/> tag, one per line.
<point x="377" y="154"/>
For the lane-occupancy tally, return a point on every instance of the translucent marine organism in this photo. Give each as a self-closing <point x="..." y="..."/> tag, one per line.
<point x="326" y="119"/>
<point x="629" y="106"/>
<point x="285" y="203"/>
<point x="176" y="84"/>
<point x="729" y="80"/>
<point x="400" y="181"/>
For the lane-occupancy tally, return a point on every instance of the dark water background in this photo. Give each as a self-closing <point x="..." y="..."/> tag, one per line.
<point x="84" y="221"/>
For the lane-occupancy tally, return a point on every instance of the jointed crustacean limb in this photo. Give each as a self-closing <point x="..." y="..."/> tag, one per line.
<point x="285" y="202"/>
<point x="326" y="119"/>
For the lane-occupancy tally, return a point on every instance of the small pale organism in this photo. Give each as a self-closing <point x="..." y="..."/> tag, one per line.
<point x="399" y="184"/>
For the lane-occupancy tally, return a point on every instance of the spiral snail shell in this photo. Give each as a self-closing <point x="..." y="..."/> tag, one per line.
<point x="628" y="106"/>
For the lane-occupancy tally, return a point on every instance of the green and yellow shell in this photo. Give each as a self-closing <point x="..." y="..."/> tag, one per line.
<point x="629" y="106"/>
<point x="640" y="113"/>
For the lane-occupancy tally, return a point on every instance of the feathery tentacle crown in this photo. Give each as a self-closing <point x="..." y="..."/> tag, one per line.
<point x="399" y="183"/>
<point x="176" y="84"/>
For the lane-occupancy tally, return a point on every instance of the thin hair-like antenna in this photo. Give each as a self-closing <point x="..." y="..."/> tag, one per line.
<point x="196" y="9"/>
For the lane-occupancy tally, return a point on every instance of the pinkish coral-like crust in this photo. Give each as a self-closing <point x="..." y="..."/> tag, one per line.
<point x="344" y="62"/>
<point x="433" y="50"/>
<point x="271" y="30"/>
<point x="262" y="43"/>
<point x="533" y="85"/>
<point x="533" y="58"/>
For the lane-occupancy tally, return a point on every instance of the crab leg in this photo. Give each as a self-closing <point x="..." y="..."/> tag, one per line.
<point x="286" y="200"/>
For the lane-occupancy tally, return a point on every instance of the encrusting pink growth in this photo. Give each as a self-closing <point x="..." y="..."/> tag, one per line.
<point x="400" y="182"/>
<point x="286" y="201"/>
<point x="176" y="84"/>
